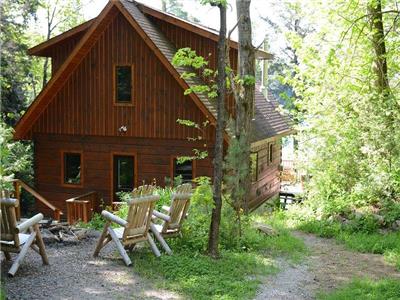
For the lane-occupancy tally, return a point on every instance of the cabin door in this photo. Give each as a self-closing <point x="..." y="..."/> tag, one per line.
<point x="123" y="174"/>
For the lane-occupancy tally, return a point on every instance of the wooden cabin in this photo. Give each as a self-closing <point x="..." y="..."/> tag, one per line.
<point x="107" y="119"/>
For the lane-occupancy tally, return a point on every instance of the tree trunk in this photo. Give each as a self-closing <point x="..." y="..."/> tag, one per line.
<point x="245" y="105"/>
<point x="219" y="139"/>
<point x="378" y="41"/>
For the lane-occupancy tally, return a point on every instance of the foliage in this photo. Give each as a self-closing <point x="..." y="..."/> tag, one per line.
<point x="17" y="79"/>
<point x="197" y="276"/>
<point x="15" y="158"/>
<point x="347" y="141"/>
<point x="366" y="289"/>
<point x="175" y="7"/>
<point x="243" y="260"/>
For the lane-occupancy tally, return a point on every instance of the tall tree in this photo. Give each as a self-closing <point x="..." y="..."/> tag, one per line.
<point x="219" y="135"/>
<point x="15" y="63"/>
<point x="238" y="177"/>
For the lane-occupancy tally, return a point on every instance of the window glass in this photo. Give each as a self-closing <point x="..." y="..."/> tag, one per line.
<point x="123" y="173"/>
<point x="72" y="168"/>
<point x="124" y="84"/>
<point x="184" y="170"/>
<point x="254" y="166"/>
<point x="270" y="152"/>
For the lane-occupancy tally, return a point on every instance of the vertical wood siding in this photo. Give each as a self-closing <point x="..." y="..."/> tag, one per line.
<point x="84" y="106"/>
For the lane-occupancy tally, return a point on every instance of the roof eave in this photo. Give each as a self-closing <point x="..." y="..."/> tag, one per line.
<point x="40" y="50"/>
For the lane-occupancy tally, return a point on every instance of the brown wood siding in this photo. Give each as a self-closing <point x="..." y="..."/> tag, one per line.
<point x="268" y="181"/>
<point x="84" y="106"/>
<point x="60" y="52"/>
<point x="153" y="161"/>
<point x="182" y="38"/>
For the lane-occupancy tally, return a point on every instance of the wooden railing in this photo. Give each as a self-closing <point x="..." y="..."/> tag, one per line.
<point x="81" y="208"/>
<point x="19" y="184"/>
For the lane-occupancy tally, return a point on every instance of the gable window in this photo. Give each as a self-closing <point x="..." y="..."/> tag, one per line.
<point x="123" y="84"/>
<point x="72" y="168"/>
<point x="183" y="169"/>
<point x="254" y="166"/>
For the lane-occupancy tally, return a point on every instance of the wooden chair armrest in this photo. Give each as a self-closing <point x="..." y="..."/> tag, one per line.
<point x="161" y="216"/>
<point x="165" y="208"/>
<point x="113" y="218"/>
<point x="30" y="222"/>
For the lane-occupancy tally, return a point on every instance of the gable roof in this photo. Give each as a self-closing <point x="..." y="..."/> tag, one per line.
<point x="43" y="48"/>
<point x="161" y="47"/>
<point x="268" y="122"/>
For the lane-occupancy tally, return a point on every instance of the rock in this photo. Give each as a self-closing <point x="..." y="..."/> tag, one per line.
<point x="266" y="229"/>
<point x="379" y="218"/>
<point x="396" y="225"/>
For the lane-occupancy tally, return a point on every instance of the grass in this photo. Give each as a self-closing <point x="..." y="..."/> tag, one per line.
<point x="366" y="242"/>
<point x="197" y="276"/>
<point x="236" y="275"/>
<point x="365" y="289"/>
<point x="2" y="292"/>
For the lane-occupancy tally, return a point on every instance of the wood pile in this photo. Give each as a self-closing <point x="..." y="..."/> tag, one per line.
<point x="62" y="232"/>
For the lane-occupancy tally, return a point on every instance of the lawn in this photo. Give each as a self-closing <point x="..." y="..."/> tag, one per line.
<point x="236" y="275"/>
<point x="365" y="289"/>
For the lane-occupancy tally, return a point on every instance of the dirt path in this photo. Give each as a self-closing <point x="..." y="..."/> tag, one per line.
<point x="74" y="274"/>
<point x="329" y="266"/>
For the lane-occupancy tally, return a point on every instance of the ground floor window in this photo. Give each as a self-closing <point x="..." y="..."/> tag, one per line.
<point x="182" y="169"/>
<point x="123" y="173"/>
<point x="72" y="168"/>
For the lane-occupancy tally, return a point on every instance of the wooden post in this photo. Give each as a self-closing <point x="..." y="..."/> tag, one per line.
<point x="17" y="195"/>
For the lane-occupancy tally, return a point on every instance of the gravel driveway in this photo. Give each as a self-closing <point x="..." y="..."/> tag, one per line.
<point x="73" y="273"/>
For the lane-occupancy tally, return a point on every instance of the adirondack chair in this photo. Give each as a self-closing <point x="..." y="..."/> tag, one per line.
<point x="13" y="236"/>
<point x="175" y="214"/>
<point x="135" y="228"/>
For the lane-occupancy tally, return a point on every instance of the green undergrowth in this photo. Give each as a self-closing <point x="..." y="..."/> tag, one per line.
<point x="236" y="274"/>
<point x="2" y="292"/>
<point x="246" y="255"/>
<point x="365" y="289"/>
<point x="358" y="235"/>
<point x="197" y="276"/>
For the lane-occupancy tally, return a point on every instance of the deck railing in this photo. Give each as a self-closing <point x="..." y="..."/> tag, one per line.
<point x="81" y="208"/>
<point x="19" y="184"/>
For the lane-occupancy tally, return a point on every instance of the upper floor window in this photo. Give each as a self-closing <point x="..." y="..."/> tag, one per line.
<point x="254" y="166"/>
<point x="123" y="84"/>
<point x="72" y="166"/>
<point x="183" y="169"/>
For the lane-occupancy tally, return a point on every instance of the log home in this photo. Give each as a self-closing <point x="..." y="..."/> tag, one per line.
<point x="107" y="119"/>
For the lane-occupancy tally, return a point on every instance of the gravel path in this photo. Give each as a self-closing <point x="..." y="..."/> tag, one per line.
<point x="73" y="273"/>
<point x="329" y="266"/>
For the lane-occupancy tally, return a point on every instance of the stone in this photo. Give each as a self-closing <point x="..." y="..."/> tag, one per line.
<point x="266" y="229"/>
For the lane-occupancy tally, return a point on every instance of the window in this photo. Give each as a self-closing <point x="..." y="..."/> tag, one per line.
<point x="254" y="166"/>
<point x="183" y="169"/>
<point x="72" y="168"/>
<point x="270" y="153"/>
<point x="124" y="173"/>
<point x="123" y="84"/>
